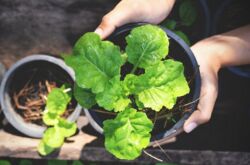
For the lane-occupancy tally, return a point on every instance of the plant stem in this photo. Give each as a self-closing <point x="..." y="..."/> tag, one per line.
<point x="134" y="69"/>
<point x="67" y="90"/>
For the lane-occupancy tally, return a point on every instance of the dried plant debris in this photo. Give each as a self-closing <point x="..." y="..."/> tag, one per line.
<point x="30" y="101"/>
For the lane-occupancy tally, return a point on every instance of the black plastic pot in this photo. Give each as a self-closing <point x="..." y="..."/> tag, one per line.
<point x="182" y="53"/>
<point x="230" y="15"/>
<point x="201" y="27"/>
<point x="22" y="72"/>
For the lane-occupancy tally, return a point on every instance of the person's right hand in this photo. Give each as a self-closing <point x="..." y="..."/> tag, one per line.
<point x="209" y="66"/>
<point x="228" y="49"/>
<point x="129" y="11"/>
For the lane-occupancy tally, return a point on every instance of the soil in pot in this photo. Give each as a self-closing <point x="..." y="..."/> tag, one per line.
<point x="30" y="86"/>
<point x="164" y="119"/>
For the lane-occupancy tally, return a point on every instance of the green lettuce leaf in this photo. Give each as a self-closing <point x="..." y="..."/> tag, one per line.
<point x="84" y="97"/>
<point x="95" y="62"/>
<point x="114" y="96"/>
<point x="57" y="101"/>
<point x="44" y="149"/>
<point x="50" y="118"/>
<point x="127" y="134"/>
<point x="159" y="86"/>
<point x="53" y="137"/>
<point x="66" y="128"/>
<point x="146" y="46"/>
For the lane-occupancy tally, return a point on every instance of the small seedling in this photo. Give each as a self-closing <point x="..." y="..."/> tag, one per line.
<point x="58" y="127"/>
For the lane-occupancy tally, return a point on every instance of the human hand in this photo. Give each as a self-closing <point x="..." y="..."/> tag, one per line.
<point x="129" y="11"/>
<point x="228" y="49"/>
<point x="209" y="66"/>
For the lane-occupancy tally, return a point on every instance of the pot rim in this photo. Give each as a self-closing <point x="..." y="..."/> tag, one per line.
<point x="30" y="129"/>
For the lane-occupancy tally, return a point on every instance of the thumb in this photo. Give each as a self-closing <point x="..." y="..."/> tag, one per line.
<point x="205" y="107"/>
<point x="117" y="17"/>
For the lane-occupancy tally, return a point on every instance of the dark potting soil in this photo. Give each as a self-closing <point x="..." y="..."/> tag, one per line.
<point x="30" y="87"/>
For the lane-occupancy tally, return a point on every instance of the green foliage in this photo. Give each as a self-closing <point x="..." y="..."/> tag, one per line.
<point x="187" y="17"/>
<point x="57" y="101"/>
<point x="60" y="129"/>
<point x="4" y="162"/>
<point x="101" y="60"/>
<point x="97" y="66"/>
<point x="127" y="134"/>
<point x="146" y="46"/>
<point x="165" y="82"/>
<point x="25" y="162"/>
<point x="169" y="23"/>
<point x="160" y="85"/>
<point x="57" y="162"/>
<point x="114" y="96"/>
<point x="53" y="137"/>
<point x="44" y="149"/>
<point x="66" y="128"/>
<point x="77" y="162"/>
<point x="84" y="97"/>
<point x="187" y="12"/>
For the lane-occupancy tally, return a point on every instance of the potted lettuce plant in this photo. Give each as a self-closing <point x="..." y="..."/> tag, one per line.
<point x="129" y="84"/>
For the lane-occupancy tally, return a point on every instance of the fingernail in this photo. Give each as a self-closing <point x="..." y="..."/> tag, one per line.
<point x="190" y="127"/>
<point x="99" y="31"/>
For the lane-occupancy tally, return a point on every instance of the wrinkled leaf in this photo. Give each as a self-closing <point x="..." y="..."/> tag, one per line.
<point x="53" y="137"/>
<point x="127" y="134"/>
<point x="95" y="62"/>
<point x="113" y="97"/>
<point x="50" y="118"/>
<point x="44" y="149"/>
<point x="159" y="86"/>
<point x="146" y="46"/>
<point x="66" y="128"/>
<point x="157" y="97"/>
<point x="84" y="97"/>
<point x="57" y="101"/>
<point x="135" y="84"/>
<point x="187" y="12"/>
<point x="183" y="36"/>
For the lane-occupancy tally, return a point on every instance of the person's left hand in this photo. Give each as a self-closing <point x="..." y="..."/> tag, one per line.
<point x="227" y="49"/>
